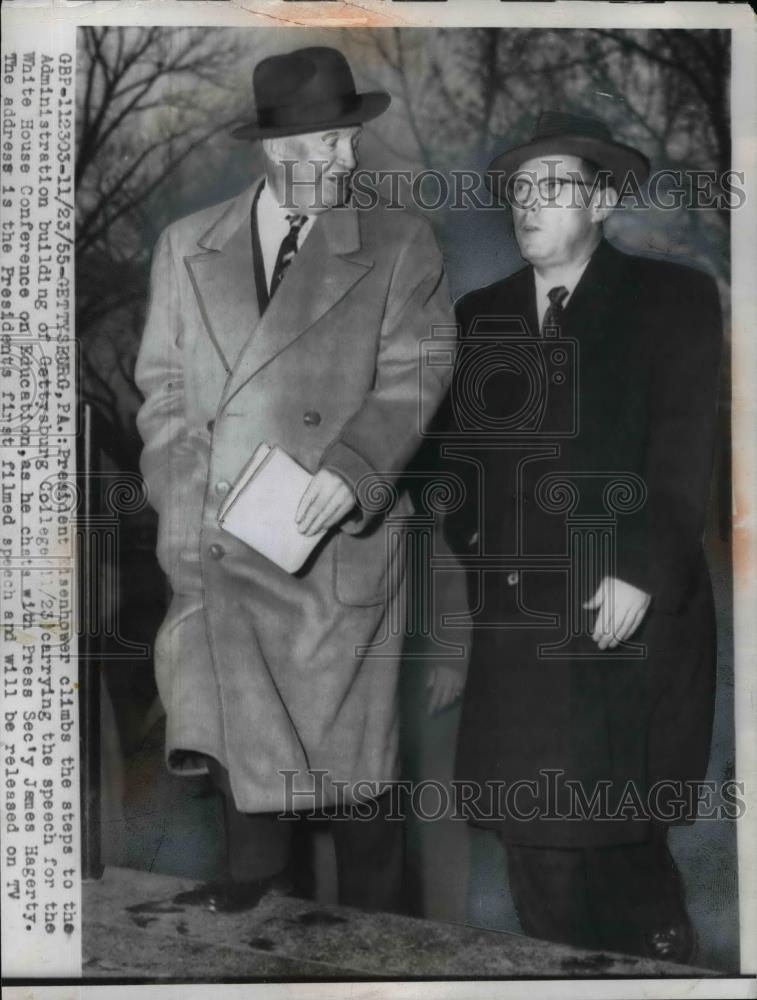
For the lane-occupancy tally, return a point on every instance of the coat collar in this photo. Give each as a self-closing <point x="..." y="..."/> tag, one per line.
<point x="236" y="213"/>
<point x="521" y="298"/>
<point x="594" y="297"/>
<point x="586" y="309"/>
<point x="330" y="262"/>
<point x="340" y="225"/>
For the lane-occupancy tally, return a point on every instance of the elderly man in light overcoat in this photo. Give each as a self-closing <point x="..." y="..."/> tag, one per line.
<point x="289" y="316"/>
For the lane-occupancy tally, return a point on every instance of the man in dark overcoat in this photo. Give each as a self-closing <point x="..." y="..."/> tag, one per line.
<point x="290" y="316"/>
<point x="585" y="406"/>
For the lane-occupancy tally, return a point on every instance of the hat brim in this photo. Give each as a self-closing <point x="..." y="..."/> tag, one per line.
<point x="618" y="159"/>
<point x="369" y="105"/>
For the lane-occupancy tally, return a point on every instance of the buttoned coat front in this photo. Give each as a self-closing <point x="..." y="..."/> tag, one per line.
<point x="278" y="675"/>
<point x="631" y="385"/>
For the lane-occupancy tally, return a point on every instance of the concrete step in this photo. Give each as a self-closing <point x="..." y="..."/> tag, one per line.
<point x="133" y="929"/>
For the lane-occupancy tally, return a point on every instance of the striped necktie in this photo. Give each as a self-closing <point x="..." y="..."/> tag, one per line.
<point x="287" y="250"/>
<point x="554" y="314"/>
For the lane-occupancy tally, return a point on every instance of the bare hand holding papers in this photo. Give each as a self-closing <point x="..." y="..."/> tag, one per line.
<point x="260" y="509"/>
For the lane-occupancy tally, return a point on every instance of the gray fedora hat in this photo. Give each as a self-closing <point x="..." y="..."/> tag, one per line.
<point x="307" y="90"/>
<point x="559" y="133"/>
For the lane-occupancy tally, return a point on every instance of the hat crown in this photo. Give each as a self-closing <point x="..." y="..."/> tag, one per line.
<point x="305" y="76"/>
<point x="308" y="90"/>
<point x="562" y="133"/>
<point x="552" y="123"/>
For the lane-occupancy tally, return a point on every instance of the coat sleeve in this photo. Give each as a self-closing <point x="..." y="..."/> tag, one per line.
<point x="383" y="435"/>
<point x="170" y="459"/>
<point x="664" y="555"/>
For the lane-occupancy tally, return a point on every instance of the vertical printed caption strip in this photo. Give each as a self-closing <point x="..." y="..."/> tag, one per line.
<point x="39" y="814"/>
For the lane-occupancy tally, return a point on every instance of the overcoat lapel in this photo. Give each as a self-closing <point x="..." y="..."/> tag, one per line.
<point x="523" y="303"/>
<point x="596" y="296"/>
<point x="513" y="299"/>
<point x="222" y="277"/>
<point x="327" y="267"/>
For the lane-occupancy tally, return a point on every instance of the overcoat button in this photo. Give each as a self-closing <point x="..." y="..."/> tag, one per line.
<point x="210" y="425"/>
<point x="216" y="551"/>
<point x="512" y="578"/>
<point x="222" y="488"/>
<point x="312" y="418"/>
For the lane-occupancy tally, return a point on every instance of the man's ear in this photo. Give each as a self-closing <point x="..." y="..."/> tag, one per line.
<point x="271" y="148"/>
<point x="276" y="149"/>
<point x="603" y="202"/>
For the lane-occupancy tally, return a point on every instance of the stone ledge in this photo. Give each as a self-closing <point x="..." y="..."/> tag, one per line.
<point x="133" y="929"/>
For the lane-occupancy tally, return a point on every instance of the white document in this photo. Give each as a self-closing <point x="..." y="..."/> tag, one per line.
<point x="261" y="506"/>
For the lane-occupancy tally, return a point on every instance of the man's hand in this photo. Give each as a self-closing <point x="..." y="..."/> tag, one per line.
<point x="620" y="609"/>
<point x="445" y="685"/>
<point x="324" y="503"/>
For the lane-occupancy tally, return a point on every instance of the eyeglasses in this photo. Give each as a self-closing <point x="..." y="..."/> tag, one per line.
<point x="520" y="189"/>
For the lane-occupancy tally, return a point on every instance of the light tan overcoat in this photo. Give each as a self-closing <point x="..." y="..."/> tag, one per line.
<point x="257" y="668"/>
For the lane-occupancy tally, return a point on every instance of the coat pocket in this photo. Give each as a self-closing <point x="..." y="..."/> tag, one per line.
<point x="369" y="568"/>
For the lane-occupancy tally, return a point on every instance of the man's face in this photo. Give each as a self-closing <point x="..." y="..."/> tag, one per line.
<point x="324" y="163"/>
<point x="559" y="232"/>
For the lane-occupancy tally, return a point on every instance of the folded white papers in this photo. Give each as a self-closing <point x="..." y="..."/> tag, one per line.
<point x="261" y="506"/>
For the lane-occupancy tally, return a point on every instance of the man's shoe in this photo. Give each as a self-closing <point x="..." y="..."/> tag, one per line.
<point x="675" y="943"/>
<point x="233" y="897"/>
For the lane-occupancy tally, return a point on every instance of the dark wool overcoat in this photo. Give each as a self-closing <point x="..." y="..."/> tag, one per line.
<point x="265" y="671"/>
<point x="595" y="460"/>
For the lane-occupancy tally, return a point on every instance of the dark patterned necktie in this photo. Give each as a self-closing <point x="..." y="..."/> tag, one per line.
<point x="287" y="250"/>
<point x="554" y="314"/>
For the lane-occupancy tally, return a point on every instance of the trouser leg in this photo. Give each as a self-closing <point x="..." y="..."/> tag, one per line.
<point x="617" y="898"/>
<point x="257" y="844"/>
<point x="550" y="894"/>
<point x="369" y="852"/>
<point x="370" y="859"/>
<point x="638" y="895"/>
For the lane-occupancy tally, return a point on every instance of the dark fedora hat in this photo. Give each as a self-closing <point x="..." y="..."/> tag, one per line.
<point x="306" y="91"/>
<point x="560" y="133"/>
